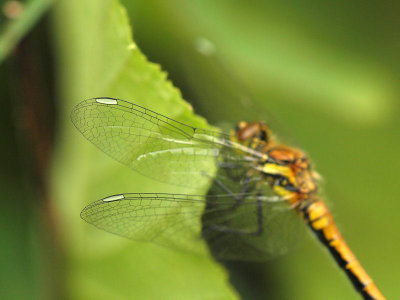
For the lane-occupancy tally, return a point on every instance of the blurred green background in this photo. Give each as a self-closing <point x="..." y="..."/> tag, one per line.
<point x="325" y="75"/>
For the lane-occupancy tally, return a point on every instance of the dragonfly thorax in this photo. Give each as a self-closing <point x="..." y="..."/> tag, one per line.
<point x="299" y="181"/>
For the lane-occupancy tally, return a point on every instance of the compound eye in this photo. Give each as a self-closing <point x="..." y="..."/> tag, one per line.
<point x="247" y="131"/>
<point x="255" y="130"/>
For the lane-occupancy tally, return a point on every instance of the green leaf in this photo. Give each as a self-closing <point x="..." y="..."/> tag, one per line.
<point x="97" y="57"/>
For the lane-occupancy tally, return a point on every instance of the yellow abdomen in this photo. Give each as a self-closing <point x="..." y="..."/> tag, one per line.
<point x="322" y="224"/>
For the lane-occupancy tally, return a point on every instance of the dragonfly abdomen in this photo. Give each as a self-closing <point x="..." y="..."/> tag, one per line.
<point x="321" y="222"/>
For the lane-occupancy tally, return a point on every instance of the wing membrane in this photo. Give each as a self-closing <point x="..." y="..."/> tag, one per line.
<point x="155" y="145"/>
<point x="184" y="221"/>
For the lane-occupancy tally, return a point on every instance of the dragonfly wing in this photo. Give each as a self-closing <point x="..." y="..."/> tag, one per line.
<point x="169" y="220"/>
<point x="150" y="143"/>
<point x="184" y="222"/>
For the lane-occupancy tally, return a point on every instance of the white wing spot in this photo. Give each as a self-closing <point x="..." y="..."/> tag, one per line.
<point x="107" y="101"/>
<point x="113" y="198"/>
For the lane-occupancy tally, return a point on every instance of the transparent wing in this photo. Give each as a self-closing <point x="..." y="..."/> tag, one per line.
<point x="231" y="229"/>
<point x="155" y="145"/>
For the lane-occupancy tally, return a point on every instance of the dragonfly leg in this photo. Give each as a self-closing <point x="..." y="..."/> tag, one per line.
<point x="260" y="219"/>
<point x="243" y="191"/>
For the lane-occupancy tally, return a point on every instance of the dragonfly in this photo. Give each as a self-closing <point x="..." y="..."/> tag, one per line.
<point x="259" y="190"/>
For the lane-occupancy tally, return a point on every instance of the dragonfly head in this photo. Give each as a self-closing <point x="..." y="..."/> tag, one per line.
<point x="252" y="134"/>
